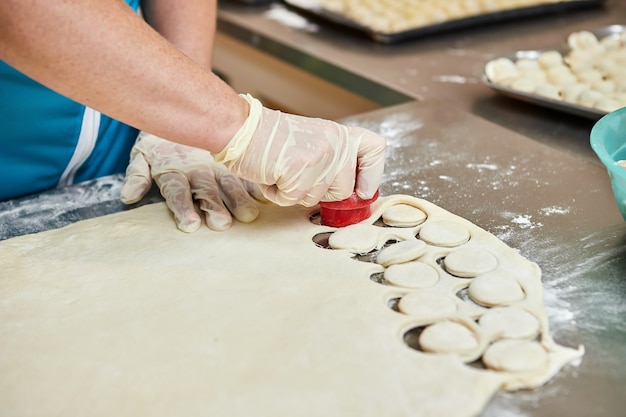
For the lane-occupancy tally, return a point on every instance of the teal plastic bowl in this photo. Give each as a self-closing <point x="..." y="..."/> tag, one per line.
<point x="608" y="140"/>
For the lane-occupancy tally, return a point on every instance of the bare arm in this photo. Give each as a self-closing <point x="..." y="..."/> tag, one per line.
<point x="100" y="53"/>
<point x="189" y="25"/>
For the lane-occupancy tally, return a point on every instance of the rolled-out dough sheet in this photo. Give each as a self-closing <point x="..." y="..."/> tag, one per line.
<point x="124" y="315"/>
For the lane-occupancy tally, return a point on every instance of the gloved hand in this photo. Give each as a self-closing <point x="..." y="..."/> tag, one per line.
<point x="300" y="160"/>
<point x="183" y="174"/>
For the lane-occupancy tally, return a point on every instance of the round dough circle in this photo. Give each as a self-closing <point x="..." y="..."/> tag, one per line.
<point x="469" y="262"/>
<point x="405" y="251"/>
<point x="447" y="337"/>
<point x="356" y="238"/>
<point x="412" y="275"/>
<point x="515" y="356"/>
<point x="495" y="289"/>
<point x="510" y="323"/>
<point x="403" y="215"/>
<point x="427" y="305"/>
<point x="444" y="233"/>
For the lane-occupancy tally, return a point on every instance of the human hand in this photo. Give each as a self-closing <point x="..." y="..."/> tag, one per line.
<point x="185" y="174"/>
<point x="301" y="160"/>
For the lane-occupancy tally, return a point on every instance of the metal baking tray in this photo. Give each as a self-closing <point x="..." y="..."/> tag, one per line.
<point x="571" y="108"/>
<point x="313" y="8"/>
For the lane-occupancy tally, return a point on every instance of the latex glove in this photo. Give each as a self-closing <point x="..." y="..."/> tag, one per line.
<point x="301" y="160"/>
<point x="185" y="174"/>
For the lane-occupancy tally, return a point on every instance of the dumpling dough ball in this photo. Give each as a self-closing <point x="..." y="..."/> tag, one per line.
<point x="405" y="251"/>
<point x="527" y="65"/>
<point x="447" y="337"/>
<point x="579" y="60"/>
<point x="571" y="92"/>
<point x="607" y="104"/>
<point x="444" y="233"/>
<point x="604" y="86"/>
<point x="501" y="69"/>
<point x="584" y="40"/>
<point x="590" y="76"/>
<point x="469" y="262"/>
<point x="526" y="85"/>
<point x="560" y="75"/>
<point x="588" y="97"/>
<point x="515" y="356"/>
<point x="411" y="275"/>
<point x="510" y="323"/>
<point x="550" y="59"/>
<point x="495" y="289"/>
<point x="356" y="238"/>
<point x="610" y="43"/>
<point x="549" y="91"/>
<point x="403" y="215"/>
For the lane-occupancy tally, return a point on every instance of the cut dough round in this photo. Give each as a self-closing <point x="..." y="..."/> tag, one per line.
<point x="444" y="233"/>
<point x="469" y="262"/>
<point x="403" y="215"/>
<point x="427" y="305"/>
<point x="357" y="238"/>
<point x="447" y="337"/>
<point x="495" y="289"/>
<point x="510" y="323"/>
<point x="412" y="275"/>
<point x="405" y="251"/>
<point x="515" y="356"/>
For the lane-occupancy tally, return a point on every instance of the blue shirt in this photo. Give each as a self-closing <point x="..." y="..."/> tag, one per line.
<point x="48" y="140"/>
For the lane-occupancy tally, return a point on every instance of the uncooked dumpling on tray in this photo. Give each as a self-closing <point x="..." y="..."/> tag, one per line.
<point x="125" y="315"/>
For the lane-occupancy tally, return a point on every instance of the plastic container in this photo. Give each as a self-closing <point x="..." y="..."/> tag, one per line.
<point x="346" y="212"/>
<point x="608" y="140"/>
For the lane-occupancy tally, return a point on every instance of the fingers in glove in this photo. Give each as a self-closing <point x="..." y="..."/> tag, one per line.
<point x="206" y="191"/>
<point x="370" y="162"/>
<point x="235" y="195"/>
<point x="177" y="193"/>
<point x="137" y="180"/>
<point x="254" y="191"/>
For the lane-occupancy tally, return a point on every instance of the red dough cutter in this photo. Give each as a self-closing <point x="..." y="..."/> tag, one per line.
<point x="346" y="212"/>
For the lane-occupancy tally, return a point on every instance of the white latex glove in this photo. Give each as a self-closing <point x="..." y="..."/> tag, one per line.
<point x="301" y="160"/>
<point x="185" y="174"/>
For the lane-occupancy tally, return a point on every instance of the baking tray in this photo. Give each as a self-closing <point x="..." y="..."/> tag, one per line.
<point x="313" y="8"/>
<point x="567" y="107"/>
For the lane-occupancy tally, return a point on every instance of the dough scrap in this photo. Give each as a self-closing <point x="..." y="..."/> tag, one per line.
<point x="124" y="315"/>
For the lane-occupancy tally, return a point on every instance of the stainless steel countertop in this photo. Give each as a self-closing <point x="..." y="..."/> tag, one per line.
<point x="439" y="68"/>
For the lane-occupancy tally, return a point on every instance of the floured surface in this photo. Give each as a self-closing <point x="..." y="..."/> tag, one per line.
<point x="125" y="315"/>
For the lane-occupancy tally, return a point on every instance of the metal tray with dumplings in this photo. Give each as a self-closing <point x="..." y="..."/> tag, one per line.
<point x="571" y="108"/>
<point x="314" y="8"/>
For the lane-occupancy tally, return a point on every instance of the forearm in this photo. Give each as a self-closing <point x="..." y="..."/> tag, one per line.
<point x="189" y="25"/>
<point x="100" y="53"/>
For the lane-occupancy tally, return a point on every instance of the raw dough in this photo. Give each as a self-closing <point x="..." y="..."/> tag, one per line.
<point x="403" y="215"/>
<point x="495" y="289"/>
<point x="124" y="315"/>
<point x="412" y="275"/>
<point x="444" y="233"/>
<point x="447" y="337"/>
<point x="515" y="356"/>
<point x="510" y="323"/>
<point x="469" y="262"/>
<point x="401" y="252"/>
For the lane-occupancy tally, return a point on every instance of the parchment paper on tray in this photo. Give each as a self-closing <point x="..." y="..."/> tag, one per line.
<point x="390" y="21"/>
<point x="586" y="78"/>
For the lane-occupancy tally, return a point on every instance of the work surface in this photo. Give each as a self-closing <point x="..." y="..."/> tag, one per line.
<point x="555" y="208"/>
